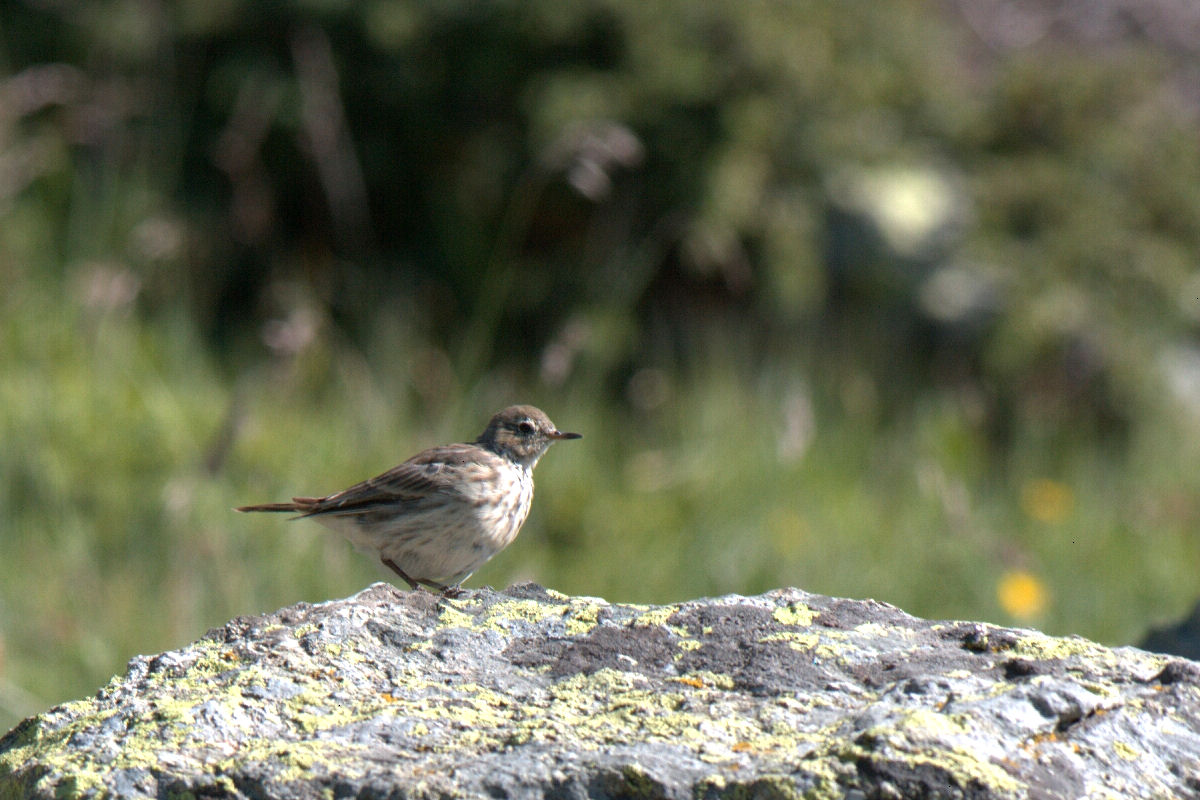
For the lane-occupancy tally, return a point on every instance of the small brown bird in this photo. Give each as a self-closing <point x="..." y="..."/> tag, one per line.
<point x="442" y="514"/>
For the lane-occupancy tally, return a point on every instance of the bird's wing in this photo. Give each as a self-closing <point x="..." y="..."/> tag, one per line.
<point x="437" y="471"/>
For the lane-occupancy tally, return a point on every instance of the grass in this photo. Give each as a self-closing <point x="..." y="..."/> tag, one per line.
<point x="116" y="490"/>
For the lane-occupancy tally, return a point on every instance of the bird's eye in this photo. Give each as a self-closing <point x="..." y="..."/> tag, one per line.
<point x="525" y="426"/>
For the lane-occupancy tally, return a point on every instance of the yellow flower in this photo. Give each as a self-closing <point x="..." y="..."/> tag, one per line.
<point x="1047" y="500"/>
<point x="1021" y="594"/>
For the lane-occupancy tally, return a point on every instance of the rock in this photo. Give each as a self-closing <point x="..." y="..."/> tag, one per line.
<point x="530" y="693"/>
<point x="1180" y="639"/>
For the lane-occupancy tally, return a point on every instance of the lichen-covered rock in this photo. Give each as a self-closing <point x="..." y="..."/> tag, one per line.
<point x="527" y="692"/>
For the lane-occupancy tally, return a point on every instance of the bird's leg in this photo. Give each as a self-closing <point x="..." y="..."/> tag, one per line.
<point x="446" y="590"/>
<point x="412" y="584"/>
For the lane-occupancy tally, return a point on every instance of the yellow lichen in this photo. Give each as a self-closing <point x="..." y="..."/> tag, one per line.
<point x="794" y="614"/>
<point x="581" y="619"/>
<point x="1127" y="751"/>
<point x="797" y="641"/>
<point x="654" y="617"/>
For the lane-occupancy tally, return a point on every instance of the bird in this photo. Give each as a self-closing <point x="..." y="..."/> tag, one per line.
<point x="438" y="517"/>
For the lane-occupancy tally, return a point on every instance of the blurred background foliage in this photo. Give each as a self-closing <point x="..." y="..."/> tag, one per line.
<point x="893" y="299"/>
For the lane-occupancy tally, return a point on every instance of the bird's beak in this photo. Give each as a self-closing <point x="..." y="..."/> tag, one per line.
<point x="561" y="435"/>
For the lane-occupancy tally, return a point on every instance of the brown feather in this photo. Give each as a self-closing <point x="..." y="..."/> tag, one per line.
<point x="270" y="507"/>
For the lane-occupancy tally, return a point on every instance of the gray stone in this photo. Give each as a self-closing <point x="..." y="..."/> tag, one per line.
<point x="530" y="693"/>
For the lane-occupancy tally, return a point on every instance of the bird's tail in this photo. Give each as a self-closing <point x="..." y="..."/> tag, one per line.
<point x="269" y="507"/>
<point x="300" y="504"/>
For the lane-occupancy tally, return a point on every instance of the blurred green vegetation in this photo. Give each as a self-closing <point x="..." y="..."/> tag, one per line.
<point x="898" y="299"/>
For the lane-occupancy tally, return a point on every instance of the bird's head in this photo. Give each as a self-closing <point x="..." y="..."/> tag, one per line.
<point x="521" y="434"/>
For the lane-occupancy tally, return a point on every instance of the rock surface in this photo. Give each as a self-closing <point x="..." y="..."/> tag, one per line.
<point x="527" y="692"/>
<point x="1180" y="639"/>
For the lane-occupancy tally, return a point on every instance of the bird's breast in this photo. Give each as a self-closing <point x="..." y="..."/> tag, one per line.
<point x="503" y="510"/>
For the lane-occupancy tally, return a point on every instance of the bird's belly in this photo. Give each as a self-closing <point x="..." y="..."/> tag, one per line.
<point x="445" y="541"/>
